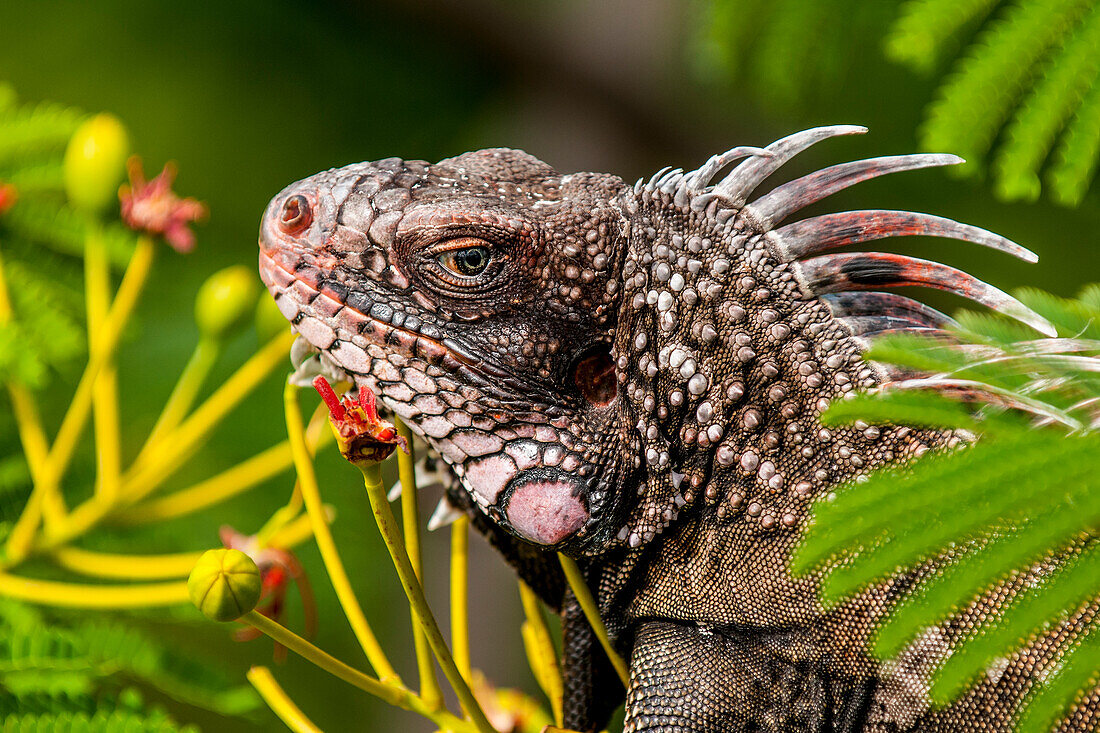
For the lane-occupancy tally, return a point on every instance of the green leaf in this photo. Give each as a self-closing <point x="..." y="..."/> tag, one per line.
<point x="1068" y="587"/>
<point x="895" y="407"/>
<point x="1020" y="479"/>
<point x="924" y="27"/>
<point x="1077" y="673"/>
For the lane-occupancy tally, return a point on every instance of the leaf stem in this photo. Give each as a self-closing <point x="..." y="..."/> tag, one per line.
<point x="460" y="592"/>
<point x="334" y="566"/>
<point x="410" y="526"/>
<point x="588" y="604"/>
<point x="177" y="445"/>
<point x="76" y="595"/>
<point x="387" y="525"/>
<point x="541" y="654"/>
<point x="279" y="702"/>
<point x="183" y="395"/>
<point x="97" y="285"/>
<point x="392" y="693"/>
<point x="48" y="482"/>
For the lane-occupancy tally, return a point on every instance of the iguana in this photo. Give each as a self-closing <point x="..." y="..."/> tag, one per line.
<point x="632" y="375"/>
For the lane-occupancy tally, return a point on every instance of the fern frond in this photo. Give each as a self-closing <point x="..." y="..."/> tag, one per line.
<point x="1023" y="503"/>
<point x="1066" y="589"/>
<point x="1078" y="153"/>
<point x="979" y="94"/>
<point x="925" y="409"/>
<point x="924" y="27"/>
<point x="33" y="131"/>
<point x="1065" y="81"/>
<point x="61" y="229"/>
<point x="1078" y="672"/>
<point x="118" y="721"/>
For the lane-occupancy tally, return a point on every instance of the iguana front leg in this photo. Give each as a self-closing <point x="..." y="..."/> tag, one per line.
<point x="690" y="678"/>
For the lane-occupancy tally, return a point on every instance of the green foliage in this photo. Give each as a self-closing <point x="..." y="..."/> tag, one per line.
<point x="1026" y="81"/>
<point x="1027" y="492"/>
<point x="42" y="242"/>
<point x="41" y="656"/>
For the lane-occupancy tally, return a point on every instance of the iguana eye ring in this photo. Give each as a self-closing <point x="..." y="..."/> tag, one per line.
<point x="296" y="214"/>
<point x="467" y="261"/>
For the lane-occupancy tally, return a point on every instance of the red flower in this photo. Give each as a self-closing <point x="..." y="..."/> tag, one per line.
<point x="153" y="208"/>
<point x="277" y="568"/>
<point x="362" y="434"/>
<point x="8" y="195"/>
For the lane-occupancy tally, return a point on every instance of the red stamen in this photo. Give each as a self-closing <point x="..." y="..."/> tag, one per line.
<point x="335" y="408"/>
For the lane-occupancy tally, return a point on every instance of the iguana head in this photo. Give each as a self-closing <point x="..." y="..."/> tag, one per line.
<point x="477" y="297"/>
<point x="591" y="357"/>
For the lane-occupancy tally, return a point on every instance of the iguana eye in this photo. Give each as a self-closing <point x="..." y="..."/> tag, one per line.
<point x="466" y="261"/>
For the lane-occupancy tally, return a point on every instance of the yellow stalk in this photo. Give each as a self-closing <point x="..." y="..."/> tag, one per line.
<point x="334" y="566"/>
<point x="387" y="525"/>
<point x="229" y="483"/>
<point x="180" y="443"/>
<point x="460" y="591"/>
<point x="584" y="597"/>
<point x="126" y="567"/>
<point x="97" y="286"/>
<point x="297" y="531"/>
<point x="225" y="485"/>
<point x="392" y="693"/>
<point x="279" y="702"/>
<point x="410" y="525"/>
<point x="75" y="595"/>
<point x="48" y="482"/>
<point x="31" y="434"/>
<point x="541" y="654"/>
<point x="183" y="395"/>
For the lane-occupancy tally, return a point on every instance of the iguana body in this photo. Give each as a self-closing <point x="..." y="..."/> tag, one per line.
<point x="633" y="375"/>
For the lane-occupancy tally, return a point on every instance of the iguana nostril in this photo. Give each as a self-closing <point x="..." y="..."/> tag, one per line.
<point x="296" y="214"/>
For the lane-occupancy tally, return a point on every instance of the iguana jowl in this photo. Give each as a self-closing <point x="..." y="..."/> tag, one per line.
<point x="633" y="375"/>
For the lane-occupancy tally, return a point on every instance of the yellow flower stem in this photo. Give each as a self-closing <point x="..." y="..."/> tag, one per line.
<point x="179" y="444"/>
<point x="298" y="531"/>
<point x="48" y="483"/>
<point x="460" y="591"/>
<point x="76" y="595"/>
<point x="97" y="295"/>
<point x="391" y="534"/>
<point x="588" y="604"/>
<point x="183" y="395"/>
<point x="229" y="483"/>
<point x="126" y="567"/>
<point x="334" y="566"/>
<point x="318" y="434"/>
<point x="24" y="407"/>
<point x="279" y="702"/>
<point x="225" y="485"/>
<point x="410" y="527"/>
<point x="394" y="694"/>
<point x="541" y="654"/>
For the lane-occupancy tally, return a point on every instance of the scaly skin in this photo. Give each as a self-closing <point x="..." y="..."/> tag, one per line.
<point x="633" y="375"/>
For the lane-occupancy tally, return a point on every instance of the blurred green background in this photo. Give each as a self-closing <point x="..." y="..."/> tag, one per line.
<point x="248" y="96"/>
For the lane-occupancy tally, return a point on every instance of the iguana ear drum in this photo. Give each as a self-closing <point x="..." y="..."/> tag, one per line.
<point x="594" y="375"/>
<point x="545" y="506"/>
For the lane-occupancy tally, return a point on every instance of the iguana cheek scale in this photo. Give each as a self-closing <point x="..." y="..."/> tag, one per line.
<point x="632" y="375"/>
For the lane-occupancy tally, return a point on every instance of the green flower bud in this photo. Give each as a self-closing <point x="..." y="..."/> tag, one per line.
<point x="95" y="162"/>
<point x="225" y="301"/>
<point x="269" y="320"/>
<point x="225" y="584"/>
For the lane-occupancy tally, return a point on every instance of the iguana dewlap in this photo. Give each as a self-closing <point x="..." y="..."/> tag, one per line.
<point x="633" y="375"/>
